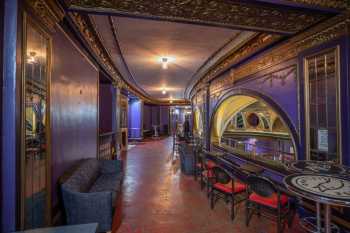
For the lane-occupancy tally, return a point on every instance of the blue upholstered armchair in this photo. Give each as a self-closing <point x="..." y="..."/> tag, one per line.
<point x="90" y="193"/>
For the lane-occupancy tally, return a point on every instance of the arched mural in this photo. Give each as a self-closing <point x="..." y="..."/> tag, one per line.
<point x="248" y="125"/>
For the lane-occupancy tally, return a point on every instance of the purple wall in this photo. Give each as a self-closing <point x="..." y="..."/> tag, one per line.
<point x="278" y="84"/>
<point x="147" y="117"/>
<point x="164" y="119"/>
<point x="156" y="115"/>
<point x="106" y="108"/>
<point x="74" y="107"/>
<point x="135" y="118"/>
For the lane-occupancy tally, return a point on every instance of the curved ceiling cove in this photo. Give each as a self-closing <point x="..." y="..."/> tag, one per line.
<point x="161" y="57"/>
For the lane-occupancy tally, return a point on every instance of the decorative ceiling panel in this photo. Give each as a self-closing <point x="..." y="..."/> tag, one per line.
<point x="223" y="13"/>
<point x="143" y="42"/>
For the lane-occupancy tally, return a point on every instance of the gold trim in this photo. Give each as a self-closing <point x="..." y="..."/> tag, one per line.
<point x="48" y="11"/>
<point x="25" y="22"/>
<point x="230" y="14"/>
<point x="321" y="33"/>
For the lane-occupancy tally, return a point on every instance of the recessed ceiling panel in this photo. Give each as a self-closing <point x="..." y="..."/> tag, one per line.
<point x="186" y="47"/>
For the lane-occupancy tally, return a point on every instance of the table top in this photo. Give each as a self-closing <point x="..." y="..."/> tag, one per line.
<point x="326" y="189"/>
<point x="86" y="228"/>
<point x="309" y="166"/>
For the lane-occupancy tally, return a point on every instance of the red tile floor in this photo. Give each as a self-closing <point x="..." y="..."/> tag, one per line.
<point x="157" y="198"/>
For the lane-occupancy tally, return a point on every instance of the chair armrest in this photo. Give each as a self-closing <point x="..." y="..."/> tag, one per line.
<point x="89" y="207"/>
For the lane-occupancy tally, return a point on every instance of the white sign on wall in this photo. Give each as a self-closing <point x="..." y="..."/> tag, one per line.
<point x="322" y="139"/>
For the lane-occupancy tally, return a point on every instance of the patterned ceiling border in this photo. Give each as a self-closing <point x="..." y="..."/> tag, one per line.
<point x="86" y="28"/>
<point x="238" y="40"/>
<point x="129" y="82"/>
<point x="332" y="4"/>
<point x="231" y="14"/>
<point x="48" y="11"/>
<point x="51" y="14"/>
<point x="246" y="50"/>
<point x="327" y="31"/>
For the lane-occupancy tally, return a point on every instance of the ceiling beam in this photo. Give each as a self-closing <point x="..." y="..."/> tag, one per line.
<point x="222" y="13"/>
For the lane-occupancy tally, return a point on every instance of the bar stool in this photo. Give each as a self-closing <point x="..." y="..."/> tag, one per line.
<point x="226" y="186"/>
<point x="265" y="199"/>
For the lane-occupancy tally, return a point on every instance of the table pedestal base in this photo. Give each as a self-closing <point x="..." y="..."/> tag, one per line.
<point x="309" y="224"/>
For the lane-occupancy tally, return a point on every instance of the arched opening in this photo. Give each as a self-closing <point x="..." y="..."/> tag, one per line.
<point x="248" y="126"/>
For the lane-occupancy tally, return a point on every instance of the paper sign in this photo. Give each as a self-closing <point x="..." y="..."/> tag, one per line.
<point x="322" y="139"/>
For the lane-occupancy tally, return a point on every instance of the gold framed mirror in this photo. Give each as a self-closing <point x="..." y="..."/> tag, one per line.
<point x="35" y="132"/>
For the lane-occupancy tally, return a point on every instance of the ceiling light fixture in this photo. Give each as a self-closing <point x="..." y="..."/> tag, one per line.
<point x="163" y="91"/>
<point x="31" y="57"/>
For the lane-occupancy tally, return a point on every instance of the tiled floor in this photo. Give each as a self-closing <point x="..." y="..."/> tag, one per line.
<point x="157" y="198"/>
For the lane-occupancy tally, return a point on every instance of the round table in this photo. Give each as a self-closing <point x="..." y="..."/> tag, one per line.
<point x="319" y="167"/>
<point x="323" y="189"/>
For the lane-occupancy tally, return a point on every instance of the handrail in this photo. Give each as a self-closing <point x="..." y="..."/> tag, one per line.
<point x="107" y="134"/>
<point x="234" y="142"/>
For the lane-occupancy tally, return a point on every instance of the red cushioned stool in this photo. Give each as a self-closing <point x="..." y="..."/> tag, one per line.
<point x="265" y="199"/>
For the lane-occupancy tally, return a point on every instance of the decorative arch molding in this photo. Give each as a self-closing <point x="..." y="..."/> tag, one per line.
<point x="266" y="99"/>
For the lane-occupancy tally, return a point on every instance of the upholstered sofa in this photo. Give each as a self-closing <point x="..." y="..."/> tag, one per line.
<point x="90" y="193"/>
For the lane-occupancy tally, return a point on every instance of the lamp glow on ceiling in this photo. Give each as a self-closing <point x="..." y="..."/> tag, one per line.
<point x="165" y="60"/>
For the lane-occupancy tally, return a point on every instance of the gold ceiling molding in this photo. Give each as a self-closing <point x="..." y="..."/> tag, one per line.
<point x="320" y="34"/>
<point x="47" y="11"/>
<point x="86" y="28"/>
<point x="232" y="14"/>
<point x="335" y="4"/>
<point x="250" y="47"/>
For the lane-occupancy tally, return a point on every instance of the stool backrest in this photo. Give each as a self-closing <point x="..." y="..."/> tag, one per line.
<point x="262" y="186"/>
<point x="221" y="175"/>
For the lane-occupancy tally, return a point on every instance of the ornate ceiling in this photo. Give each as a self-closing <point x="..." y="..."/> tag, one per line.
<point x="205" y="37"/>
<point x="260" y="16"/>
<point x="136" y="47"/>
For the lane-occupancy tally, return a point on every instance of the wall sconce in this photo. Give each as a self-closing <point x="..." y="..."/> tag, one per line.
<point x="31" y="58"/>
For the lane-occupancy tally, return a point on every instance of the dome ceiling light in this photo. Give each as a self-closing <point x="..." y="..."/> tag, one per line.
<point x="165" y="61"/>
<point x="163" y="91"/>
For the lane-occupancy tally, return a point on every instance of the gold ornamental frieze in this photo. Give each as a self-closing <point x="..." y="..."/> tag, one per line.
<point x="327" y="31"/>
<point x="231" y="14"/>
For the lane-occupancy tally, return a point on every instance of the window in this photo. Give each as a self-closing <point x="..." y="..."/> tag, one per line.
<point x="322" y="112"/>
